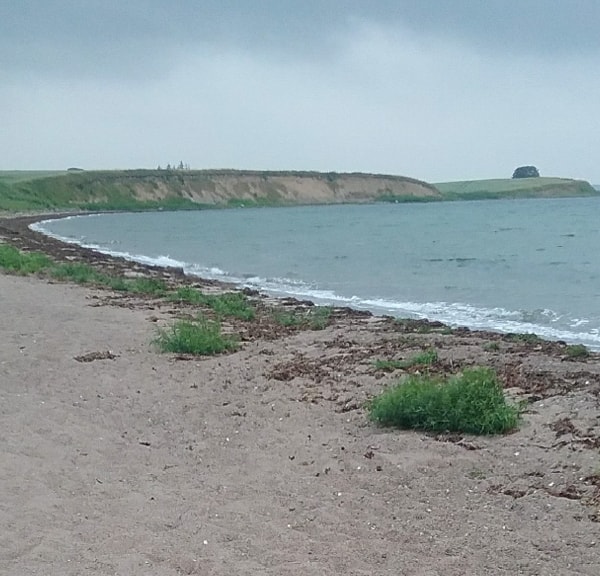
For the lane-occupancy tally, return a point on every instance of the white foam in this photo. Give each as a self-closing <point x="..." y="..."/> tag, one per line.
<point x="451" y="313"/>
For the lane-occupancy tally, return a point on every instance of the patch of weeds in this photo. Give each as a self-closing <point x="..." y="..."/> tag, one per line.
<point x="477" y="474"/>
<point x="232" y="304"/>
<point x="315" y="318"/>
<point x="152" y="286"/>
<point x="491" y="346"/>
<point x="202" y="337"/>
<point x="422" y="326"/>
<point x="425" y="358"/>
<point x="187" y="294"/>
<point x="82" y="273"/>
<point x="288" y="319"/>
<point x="527" y="338"/>
<point x="472" y="402"/>
<point x="576" y="351"/>
<point x="116" y="283"/>
<point x="78" y="273"/>
<point x="19" y="262"/>
<point x="31" y="262"/>
<point x="319" y="316"/>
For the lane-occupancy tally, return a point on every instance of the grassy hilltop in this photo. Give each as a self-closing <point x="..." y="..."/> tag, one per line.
<point x="515" y="188"/>
<point x="184" y="189"/>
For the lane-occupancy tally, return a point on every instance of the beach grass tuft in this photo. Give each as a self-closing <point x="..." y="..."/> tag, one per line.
<point x="228" y="304"/>
<point x="78" y="272"/>
<point x="319" y="317"/>
<point x="201" y="337"/>
<point x="576" y="351"/>
<point x="316" y="318"/>
<point x="491" y="347"/>
<point x="142" y="285"/>
<point x="472" y="402"/>
<point x="288" y="319"/>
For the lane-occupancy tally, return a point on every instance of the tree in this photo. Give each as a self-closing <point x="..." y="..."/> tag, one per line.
<point x="526" y="172"/>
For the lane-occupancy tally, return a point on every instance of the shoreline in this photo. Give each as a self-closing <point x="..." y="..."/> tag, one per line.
<point x="17" y="228"/>
<point x="16" y="231"/>
<point x="120" y="459"/>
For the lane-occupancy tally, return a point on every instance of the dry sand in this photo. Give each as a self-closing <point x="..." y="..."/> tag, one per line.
<point x="119" y="460"/>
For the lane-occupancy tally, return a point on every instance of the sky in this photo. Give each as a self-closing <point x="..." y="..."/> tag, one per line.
<point x="438" y="90"/>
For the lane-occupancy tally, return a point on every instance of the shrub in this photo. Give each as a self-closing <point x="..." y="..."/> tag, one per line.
<point x="472" y="402"/>
<point x="202" y="338"/>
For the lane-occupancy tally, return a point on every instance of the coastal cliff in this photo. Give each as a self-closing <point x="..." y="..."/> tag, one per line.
<point x="188" y="189"/>
<point x="192" y="189"/>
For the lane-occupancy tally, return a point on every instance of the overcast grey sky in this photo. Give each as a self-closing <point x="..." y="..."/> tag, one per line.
<point x="433" y="89"/>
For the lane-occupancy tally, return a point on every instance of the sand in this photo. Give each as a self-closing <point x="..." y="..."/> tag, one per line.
<point x="119" y="460"/>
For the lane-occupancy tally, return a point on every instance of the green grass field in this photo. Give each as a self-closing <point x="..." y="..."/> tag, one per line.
<point x="514" y="188"/>
<point x="13" y="176"/>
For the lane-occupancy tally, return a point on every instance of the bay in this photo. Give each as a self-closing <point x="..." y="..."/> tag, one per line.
<point x="508" y="265"/>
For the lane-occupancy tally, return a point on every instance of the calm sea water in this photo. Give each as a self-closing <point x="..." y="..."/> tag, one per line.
<point x="507" y="265"/>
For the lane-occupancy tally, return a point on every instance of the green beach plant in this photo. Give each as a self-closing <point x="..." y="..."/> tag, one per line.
<point x="19" y="262"/>
<point x="491" y="346"/>
<point x="201" y="337"/>
<point x="228" y="304"/>
<point x="288" y="319"/>
<point x="526" y="338"/>
<point x="78" y="272"/>
<point x="315" y="318"/>
<point x="319" y="317"/>
<point x="141" y="285"/>
<point x="472" y="402"/>
<point x="425" y="358"/>
<point x="576" y="351"/>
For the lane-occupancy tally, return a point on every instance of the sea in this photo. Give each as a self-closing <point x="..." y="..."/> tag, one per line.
<point x="525" y="266"/>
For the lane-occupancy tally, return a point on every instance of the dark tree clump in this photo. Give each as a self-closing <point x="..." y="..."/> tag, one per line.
<point x="526" y="172"/>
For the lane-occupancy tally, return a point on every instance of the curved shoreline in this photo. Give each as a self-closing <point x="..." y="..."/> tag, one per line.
<point x="56" y="246"/>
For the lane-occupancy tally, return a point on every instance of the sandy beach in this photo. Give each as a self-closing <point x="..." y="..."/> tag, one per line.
<point x="121" y="460"/>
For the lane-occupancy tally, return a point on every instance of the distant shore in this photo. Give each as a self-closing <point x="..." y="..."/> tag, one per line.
<point x="175" y="189"/>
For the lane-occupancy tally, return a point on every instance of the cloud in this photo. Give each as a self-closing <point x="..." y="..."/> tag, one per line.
<point x="141" y="37"/>
<point x="391" y="87"/>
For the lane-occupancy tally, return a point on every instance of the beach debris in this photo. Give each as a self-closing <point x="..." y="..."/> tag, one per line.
<point x="91" y="356"/>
